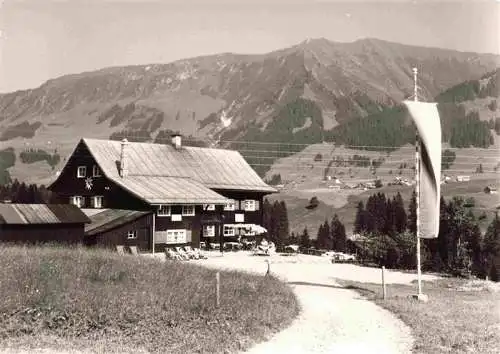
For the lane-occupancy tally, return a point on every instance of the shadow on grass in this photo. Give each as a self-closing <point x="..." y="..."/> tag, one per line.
<point x="347" y="287"/>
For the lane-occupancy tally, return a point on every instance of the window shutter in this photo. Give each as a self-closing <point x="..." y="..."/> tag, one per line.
<point x="188" y="235"/>
<point x="257" y="205"/>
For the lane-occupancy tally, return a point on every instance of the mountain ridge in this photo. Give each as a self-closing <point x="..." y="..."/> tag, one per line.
<point x="333" y="83"/>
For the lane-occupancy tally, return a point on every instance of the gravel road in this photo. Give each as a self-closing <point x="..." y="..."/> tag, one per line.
<point x="333" y="319"/>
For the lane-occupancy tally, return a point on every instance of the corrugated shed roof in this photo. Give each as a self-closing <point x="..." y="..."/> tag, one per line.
<point x="111" y="218"/>
<point x="41" y="214"/>
<point x="214" y="168"/>
<point x="170" y="190"/>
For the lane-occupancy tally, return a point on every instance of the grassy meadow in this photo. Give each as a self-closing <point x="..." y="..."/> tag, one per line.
<point x="460" y="317"/>
<point x="82" y="299"/>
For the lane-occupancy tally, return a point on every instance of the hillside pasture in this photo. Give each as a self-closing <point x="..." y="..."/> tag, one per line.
<point x="309" y="168"/>
<point x="95" y="300"/>
<point x="474" y="188"/>
<point x="344" y="202"/>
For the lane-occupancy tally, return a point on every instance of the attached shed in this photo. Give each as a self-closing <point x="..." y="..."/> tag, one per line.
<point x="42" y="223"/>
<point x="112" y="227"/>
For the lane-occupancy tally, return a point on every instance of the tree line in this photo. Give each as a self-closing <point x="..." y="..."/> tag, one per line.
<point x="34" y="155"/>
<point x="388" y="237"/>
<point x="20" y="192"/>
<point x="384" y="234"/>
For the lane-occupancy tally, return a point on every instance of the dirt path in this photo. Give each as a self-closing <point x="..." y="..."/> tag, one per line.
<point x="333" y="319"/>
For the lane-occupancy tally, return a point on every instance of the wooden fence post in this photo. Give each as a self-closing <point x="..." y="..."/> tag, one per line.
<point x="383" y="283"/>
<point x="217" y="289"/>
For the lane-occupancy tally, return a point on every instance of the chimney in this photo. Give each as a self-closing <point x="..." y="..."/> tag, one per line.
<point x="123" y="159"/>
<point x="177" y="140"/>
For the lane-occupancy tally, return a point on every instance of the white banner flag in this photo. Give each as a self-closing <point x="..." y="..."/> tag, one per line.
<point x="425" y="115"/>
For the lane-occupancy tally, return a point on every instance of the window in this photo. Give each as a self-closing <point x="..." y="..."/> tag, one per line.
<point x="77" y="200"/>
<point x="188" y="210"/>
<point x="132" y="235"/>
<point x="209" y="231"/>
<point x="81" y="172"/>
<point x="228" y="231"/>
<point x="164" y="210"/>
<point x="176" y="236"/>
<point x="249" y="205"/>
<point x="97" y="201"/>
<point x="96" y="171"/>
<point x="230" y="206"/>
<point x="208" y="206"/>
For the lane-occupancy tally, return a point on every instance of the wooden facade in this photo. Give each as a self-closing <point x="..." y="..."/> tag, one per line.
<point x="82" y="182"/>
<point x="119" y="229"/>
<point x="42" y="233"/>
<point x="69" y="185"/>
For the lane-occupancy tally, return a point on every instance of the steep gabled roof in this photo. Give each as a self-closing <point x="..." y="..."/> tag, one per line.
<point x="41" y="214"/>
<point x="212" y="168"/>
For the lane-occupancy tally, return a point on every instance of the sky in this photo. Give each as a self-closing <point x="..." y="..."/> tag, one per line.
<point x="44" y="39"/>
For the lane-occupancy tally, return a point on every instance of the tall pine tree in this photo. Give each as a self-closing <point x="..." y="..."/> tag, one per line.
<point x="338" y="235"/>
<point x="360" y="222"/>
<point x="323" y="240"/>
<point x="305" y="240"/>
<point x="283" y="225"/>
<point x="491" y="249"/>
<point x="412" y="213"/>
<point x="400" y="217"/>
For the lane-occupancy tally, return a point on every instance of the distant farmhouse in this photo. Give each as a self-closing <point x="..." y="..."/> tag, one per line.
<point x="148" y="194"/>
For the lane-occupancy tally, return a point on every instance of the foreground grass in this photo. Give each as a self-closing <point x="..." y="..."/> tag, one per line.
<point x="452" y="321"/>
<point x="97" y="300"/>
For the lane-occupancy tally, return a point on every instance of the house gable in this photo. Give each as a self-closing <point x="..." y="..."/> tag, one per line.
<point x="69" y="185"/>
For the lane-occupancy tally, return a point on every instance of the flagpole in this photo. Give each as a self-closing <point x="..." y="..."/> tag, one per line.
<point x="420" y="295"/>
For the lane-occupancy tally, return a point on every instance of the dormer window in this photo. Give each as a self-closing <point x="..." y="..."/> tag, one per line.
<point x="81" y="172"/>
<point x="164" y="210"/>
<point x="96" y="171"/>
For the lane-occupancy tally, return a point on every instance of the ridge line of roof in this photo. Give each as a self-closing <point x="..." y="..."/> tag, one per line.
<point x="165" y="144"/>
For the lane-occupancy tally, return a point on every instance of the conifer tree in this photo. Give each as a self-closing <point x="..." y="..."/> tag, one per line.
<point x="305" y="241"/>
<point x="412" y="213"/>
<point x="400" y="218"/>
<point x="283" y="225"/>
<point x="491" y="248"/>
<point x="323" y="240"/>
<point x="360" y="222"/>
<point x="338" y="233"/>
